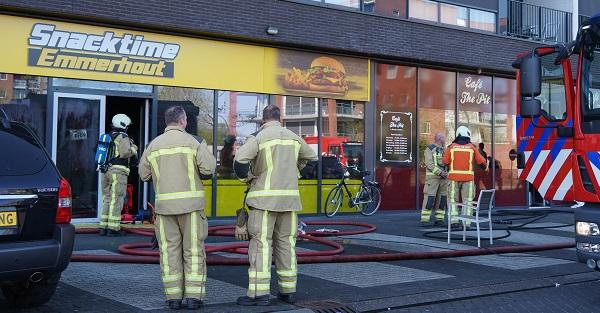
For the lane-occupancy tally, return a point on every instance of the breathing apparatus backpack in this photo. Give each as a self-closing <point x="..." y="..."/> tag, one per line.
<point x="105" y="151"/>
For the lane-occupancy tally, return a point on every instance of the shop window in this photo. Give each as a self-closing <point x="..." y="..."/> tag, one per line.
<point x="423" y="10"/>
<point x="396" y="131"/>
<point x="27" y="105"/>
<point x="510" y="191"/>
<point x="482" y="20"/>
<point x="475" y="111"/>
<point x="395" y="8"/>
<point x="3" y="76"/>
<point x="453" y="15"/>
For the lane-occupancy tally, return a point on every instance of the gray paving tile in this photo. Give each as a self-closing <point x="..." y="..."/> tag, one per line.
<point x="138" y="285"/>
<point x="368" y="274"/>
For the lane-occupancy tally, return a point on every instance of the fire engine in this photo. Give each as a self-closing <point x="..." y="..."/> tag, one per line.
<point x="558" y="129"/>
<point x="349" y="152"/>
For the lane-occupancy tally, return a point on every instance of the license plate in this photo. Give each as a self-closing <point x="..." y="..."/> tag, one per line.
<point x="8" y="218"/>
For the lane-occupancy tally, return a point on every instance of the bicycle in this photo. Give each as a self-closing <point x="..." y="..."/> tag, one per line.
<point x="367" y="199"/>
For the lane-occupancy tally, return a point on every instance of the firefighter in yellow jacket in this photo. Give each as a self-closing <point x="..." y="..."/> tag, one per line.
<point x="436" y="182"/>
<point x="270" y="161"/>
<point x="176" y="162"/>
<point x="114" y="180"/>
<point x="461" y="157"/>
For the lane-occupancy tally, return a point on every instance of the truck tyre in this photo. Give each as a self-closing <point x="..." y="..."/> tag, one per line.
<point x="23" y="295"/>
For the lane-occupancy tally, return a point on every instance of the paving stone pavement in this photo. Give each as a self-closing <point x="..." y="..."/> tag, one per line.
<point x="460" y="284"/>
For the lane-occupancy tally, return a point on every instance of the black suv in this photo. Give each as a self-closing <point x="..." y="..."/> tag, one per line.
<point x="36" y="235"/>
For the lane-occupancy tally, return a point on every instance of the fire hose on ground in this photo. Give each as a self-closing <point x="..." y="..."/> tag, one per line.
<point x="140" y="253"/>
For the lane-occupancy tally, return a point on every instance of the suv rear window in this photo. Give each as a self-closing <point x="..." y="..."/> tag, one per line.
<point x="21" y="152"/>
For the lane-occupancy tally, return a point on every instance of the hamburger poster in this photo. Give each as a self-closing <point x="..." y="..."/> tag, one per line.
<point x="325" y="76"/>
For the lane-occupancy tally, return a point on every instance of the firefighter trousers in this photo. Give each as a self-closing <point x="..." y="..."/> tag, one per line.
<point x="182" y="256"/>
<point x="466" y="191"/>
<point x="277" y="230"/>
<point x="114" y="186"/>
<point x="434" y="198"/>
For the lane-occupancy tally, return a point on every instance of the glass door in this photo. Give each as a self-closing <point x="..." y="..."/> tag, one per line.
<point x="78" y="121"/>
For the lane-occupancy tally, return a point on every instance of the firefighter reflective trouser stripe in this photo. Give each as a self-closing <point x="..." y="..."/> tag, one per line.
<point x="182" y="256"/>
<point x="434" y="198"/>
<point x="466" y="190"/>
<point x="114" y="186"/>
<point x="278" y="229"/>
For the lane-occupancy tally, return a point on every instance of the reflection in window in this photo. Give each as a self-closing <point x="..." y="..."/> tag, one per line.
<point x="239" y="115"/>
<point x="423" y="9"/>
<point x="553" y="89"/>
<point x="509" y="189"/>
<point x="299" y="106"/>
<point x="198" y="105"/>
<point x="386" y="7"/>
<point x="482" y="20"/>
<point x="23" y="98"/>
<point x="346" y="3"/>
<point x="453" y="15"/>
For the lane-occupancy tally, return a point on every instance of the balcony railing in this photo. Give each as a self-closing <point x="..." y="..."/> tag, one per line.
<point x="538" y="23"/>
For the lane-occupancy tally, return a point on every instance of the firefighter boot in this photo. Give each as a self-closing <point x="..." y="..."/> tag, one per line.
<point x="287" y="297"/>
<point x="194" y="304"/>
<point x="249" y="301"/>
<point x="174" y="304"/>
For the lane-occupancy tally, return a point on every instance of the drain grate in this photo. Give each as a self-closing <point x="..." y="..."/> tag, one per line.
<point x="326" y="306"/>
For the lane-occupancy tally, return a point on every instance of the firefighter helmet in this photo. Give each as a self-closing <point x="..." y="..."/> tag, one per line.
<point x="463" y="131"/>
<point x="121" y="121"/>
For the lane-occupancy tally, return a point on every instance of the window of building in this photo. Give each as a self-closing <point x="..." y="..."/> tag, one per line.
<point x="423" y="10"/>
<point x="299" y="106"/>
<point x="2" y="93"/>
<point x="3" y="76"/>
<point x="302" y="128"/>
<point x="426" y="128"/>
<point x="386" y="7"/>
<point x="482" y="20"/>
<point x="345" y="3"/>
<point x="454" y="15"/>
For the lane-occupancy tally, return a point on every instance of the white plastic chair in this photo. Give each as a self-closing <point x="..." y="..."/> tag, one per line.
<point x="484" y="203"/>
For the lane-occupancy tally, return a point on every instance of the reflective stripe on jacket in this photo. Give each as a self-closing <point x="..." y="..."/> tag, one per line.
<point x="175" y="162"/>
<point x="123" y="150"/>
<point x="460" y="160"/>
<point x="433" y="160"/>
<point x="275" y="155"/>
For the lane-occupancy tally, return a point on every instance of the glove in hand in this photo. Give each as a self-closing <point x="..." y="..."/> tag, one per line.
<point x="241" y="227"/>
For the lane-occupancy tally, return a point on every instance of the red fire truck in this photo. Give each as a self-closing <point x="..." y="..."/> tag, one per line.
<point x="558" y="129"/>
<point x="349" y="152"/>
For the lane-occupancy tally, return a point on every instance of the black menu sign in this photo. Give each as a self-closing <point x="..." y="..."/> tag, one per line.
<point x="396" y="137"/>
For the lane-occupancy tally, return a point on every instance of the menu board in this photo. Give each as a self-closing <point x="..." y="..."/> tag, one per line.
<point x="396" y="137"/>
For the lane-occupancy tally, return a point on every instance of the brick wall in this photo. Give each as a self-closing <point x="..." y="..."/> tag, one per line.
<point x="300" y="26"/>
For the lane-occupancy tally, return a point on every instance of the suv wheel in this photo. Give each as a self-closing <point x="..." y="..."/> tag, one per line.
<point x="28" y="295"/>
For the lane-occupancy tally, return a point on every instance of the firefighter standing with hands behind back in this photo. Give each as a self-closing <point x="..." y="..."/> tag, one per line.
<point x="114" y="180"/>
<point x="436" y="183"/>
<point x="176" y="162"/>
<point x="269" y="161"/>
<point x="461" y="156"/>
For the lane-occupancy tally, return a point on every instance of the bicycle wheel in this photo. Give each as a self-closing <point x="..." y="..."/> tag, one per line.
<point x="334" y="201"/>
<point x="374" y="195"/>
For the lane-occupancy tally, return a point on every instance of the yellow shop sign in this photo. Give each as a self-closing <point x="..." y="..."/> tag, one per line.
<point x="59" y="49"/>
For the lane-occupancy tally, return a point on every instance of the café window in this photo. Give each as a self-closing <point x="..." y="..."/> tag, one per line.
<point x="423" y="10"/>
<point x="454" y="15"/>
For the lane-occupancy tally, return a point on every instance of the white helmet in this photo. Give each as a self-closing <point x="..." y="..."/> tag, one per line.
<point x="463" y="131"/>
<point x="121" y="121"/>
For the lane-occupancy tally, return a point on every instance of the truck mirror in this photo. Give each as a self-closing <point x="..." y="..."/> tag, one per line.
<point x="530" y="107"/>
<point x="530" y="76"/>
